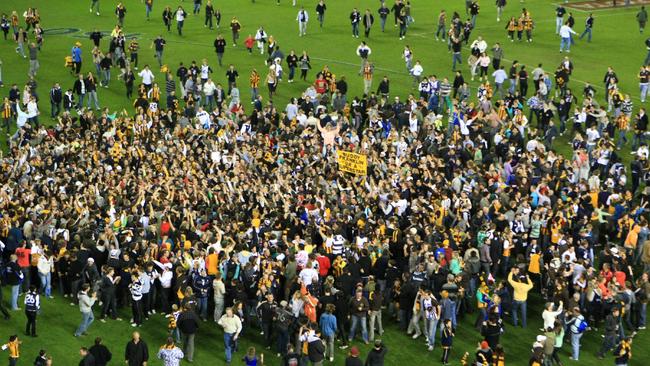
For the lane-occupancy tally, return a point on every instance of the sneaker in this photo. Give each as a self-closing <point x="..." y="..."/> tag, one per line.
<point x="118" y="319"/>
<point x="154" y="310"/>
<point x="97" y="13"/>
<point x="343" y="346"/>
<point x="415" y="336"/>
<point x="430" y="348"/>
<point x="642" y="327"/>
<point x="134" y="325"/>
<point x="102" y="320"/>
<point x="331" y="359"/>
<point x="90" y="10"/>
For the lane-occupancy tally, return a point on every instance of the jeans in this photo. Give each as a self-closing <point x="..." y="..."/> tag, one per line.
<point x="15" y="290"/>
<point x="106" y="76"/>
<point x="516" y="305"/>
<point x="375" y="317"/>
<point x="179" y="26"/>
<point x="588" y="33"/>
<point x="455" y="58"/>
<point x="644" y="91"/>
<point x="558" y="24"/>
<point x="86" y="320"/>
<point x="159" y="55"/>
<point x="55" y="108"/>
<point x="292" y="72"/>
<point x="382" y="23"/>
<point x="202" y="307"/>
<point x="575" y="345"/>
<point x="46" y="283"/>
<point x="228" y="340"/>
<point x="321" y="19"/>
<point x="92" y="96"/>
<point x="431" y="326"/>
<point x="254" y="94"/>
<point x="188" y="346"/>
<point x="441" y="32"/>
<point x="356" y="319"/>
<point x="94" y="5"/>
<point x="197" y="8"/>
<point x="148" y="9"/>
<point x="565" y="44"/>
<point x="355" y="29"/>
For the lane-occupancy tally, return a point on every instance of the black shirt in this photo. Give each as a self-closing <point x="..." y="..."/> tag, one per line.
<point x="136" y="353"/>
<point x="232" y="75"/>
<point x="101" y="354"/>
<point x="159" y="43"/>
<point x="220" y="45"/>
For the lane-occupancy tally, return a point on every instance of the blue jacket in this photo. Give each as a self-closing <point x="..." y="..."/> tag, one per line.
<point x="76" y="54"/>
<point x="328" y="324"/>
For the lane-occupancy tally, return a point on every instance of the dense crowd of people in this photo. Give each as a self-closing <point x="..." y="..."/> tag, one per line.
<point x="199" y="208"/>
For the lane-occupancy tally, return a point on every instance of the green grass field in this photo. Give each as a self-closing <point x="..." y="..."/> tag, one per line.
<point x="616" y="42"/>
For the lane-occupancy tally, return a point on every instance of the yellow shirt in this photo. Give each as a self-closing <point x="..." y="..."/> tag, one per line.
<point x="521" y="289"/>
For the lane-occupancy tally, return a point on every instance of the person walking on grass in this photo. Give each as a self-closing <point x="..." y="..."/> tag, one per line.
<point x="302" y="18"/>
<point x="235" y="27"/>
<point x="589" y="25"/>
<point x="94" y="5"/>
<point x="642" y="18"/>
<point x="159" y="47"/>
<point x="170" y="354"/>
<point x="368" y="19"/>
<point x="136" y="352"/>
<point x="355" y="19"/>
<point x="180" y="19"/>
<point x="209" y="13"/>
<point x="32" y="307"/>
<point x="101" y="353"/>
<point x="231" y="327"/>
<point x="576" y="325"/>
<point x="86" y="302"/>
<point x="13" y="346"/>
<point x="120" y="13"/>
<point x="565" y="37"/>
<point x="320" y="12"/>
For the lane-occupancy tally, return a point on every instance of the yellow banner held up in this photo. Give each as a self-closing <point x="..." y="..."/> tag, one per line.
<point x="352" y="163"/>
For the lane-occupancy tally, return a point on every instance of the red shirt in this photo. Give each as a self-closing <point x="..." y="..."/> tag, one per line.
<point x="23" y="257"/>
<point x="323" y="265"/>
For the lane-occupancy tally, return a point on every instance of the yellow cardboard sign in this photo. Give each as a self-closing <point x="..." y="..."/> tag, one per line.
<point x="352" y="163"/>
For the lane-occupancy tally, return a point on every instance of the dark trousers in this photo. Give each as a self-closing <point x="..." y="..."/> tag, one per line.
<point x="56" y="108"/>
<point x="109" y="305"/>
<point x="134" y="59"/>
<point x="267" y="328"/>
<point x="77" y="67"/>
<point x="208" y="20"/>
<point x="30" y="327"/>
<point x="165" y="294"/>
<point x="283" y="340"/>
<point x="136" y="308"/>
<point x="4" y="311"/>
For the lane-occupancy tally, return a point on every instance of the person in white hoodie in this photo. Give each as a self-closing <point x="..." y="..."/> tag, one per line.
<point x="208" y="90"/>
<point x="302" y="18"/>
<point x="45" y="267"/>
<point x="86" y="302"/>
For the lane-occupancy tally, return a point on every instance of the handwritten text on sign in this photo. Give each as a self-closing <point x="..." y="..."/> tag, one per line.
<point x="352" y="163"/>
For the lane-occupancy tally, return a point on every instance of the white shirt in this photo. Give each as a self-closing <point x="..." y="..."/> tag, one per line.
<point x="417" y="70"/>
<point x="302" y="17"/>
<point x="566" y="31"/>
<point x="292" y="111"/>
<point x="179" y="15"/>
<point x="499" y="76"/>
<point x="147" y="76"/>
<point x="307" y="275"/>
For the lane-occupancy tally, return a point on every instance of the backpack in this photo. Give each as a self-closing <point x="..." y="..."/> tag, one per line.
<point x="582" y="327"/>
